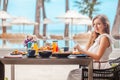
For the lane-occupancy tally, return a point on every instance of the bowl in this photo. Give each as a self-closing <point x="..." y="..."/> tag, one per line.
<point x="61" y="55"/>
<point x="45" y="54"/>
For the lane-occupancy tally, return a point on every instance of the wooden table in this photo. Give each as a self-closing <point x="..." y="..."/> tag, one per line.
<point x="86" y="61"/>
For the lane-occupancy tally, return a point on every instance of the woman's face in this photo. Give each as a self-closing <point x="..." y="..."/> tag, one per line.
<point x="98" y="26"/>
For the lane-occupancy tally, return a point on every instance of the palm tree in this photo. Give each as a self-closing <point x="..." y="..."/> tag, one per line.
<point x="66" y="32"/>
<point x="40" y="6"/>
<point x="116" y="26"/>
<point x="5" y="5"/>
<point x="37" y="17"/>
<point x="0" y="3"/>
<point x="44" y="16"/>
<point x="87" y="7"/>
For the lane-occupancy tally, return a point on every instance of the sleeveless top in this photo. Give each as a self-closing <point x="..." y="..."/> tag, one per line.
<point x="102" y="64"/>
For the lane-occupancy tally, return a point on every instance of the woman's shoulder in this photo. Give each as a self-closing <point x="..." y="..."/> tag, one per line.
<point x="105" y="35"/>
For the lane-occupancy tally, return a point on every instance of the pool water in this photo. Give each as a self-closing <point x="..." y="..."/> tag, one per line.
<point x="20" y="43"/>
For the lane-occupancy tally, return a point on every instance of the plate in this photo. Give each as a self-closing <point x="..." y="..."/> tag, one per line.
<point x="82" y="55"/>
<point x="19" y="53"/>
<point x="13" y="56"/>
<point x="77" y="55"/>
<point x="61" y="55"/>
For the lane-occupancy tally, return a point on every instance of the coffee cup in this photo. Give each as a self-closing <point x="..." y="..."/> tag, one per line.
<point x="31" y="52"/>
<point x="66" y="49"/>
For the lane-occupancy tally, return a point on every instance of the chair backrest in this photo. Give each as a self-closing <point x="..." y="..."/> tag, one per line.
<point x="112" y="73"/>
<point x="114" y="61"/>
<point x="117" y="72"/>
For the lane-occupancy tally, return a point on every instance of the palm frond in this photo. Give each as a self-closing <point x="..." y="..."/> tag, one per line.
<point x="77" y="3"/>
<point x="85" y="6"/>
<point x="98" y="3"/>
<point x="47" y="0"/>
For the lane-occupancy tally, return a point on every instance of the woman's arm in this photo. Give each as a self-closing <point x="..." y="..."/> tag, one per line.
<point x="104" y="44"/>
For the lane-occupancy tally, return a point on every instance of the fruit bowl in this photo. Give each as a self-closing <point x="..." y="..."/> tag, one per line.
<point x="45" y="54"/>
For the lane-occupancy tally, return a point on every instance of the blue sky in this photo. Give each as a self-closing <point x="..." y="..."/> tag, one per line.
<point x="55" y="8"/>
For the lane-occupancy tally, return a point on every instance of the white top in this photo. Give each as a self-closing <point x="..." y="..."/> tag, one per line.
<point x="94" y="48"/>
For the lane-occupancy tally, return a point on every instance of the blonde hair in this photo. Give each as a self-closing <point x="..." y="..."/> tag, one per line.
<point x="92" y="38"/>
<point x="105" y="22"/>
<point x="94" y="35"/>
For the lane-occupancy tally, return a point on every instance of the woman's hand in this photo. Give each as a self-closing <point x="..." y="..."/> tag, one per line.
<point x="76" y="52"/>
<point x="77" y="49"/>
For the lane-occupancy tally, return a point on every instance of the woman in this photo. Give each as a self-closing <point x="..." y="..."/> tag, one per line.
<point x="99" y="47"/>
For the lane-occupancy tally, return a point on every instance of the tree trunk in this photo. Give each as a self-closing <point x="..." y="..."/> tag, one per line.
<point x="90" y="14"/>
<point x="92" y="7"/>
<point x="5" y="4"/>
<point x="116" y="27"/>
<point x="44" y="16"/>
<point x="66" y="32"/>
<point x="0" y="3"/>
<point x="37" y="17"/>
<point x="44" y="25"/>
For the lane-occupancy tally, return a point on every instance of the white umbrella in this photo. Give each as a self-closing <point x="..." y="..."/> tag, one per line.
<point x="72" y="14"/>
<point x="4" y="23"/>
<point x="78" y="21"/>
<point x="22" y="21"/>
<point x="4" y="15"/>
<point x="72" y="17"/>
<point x="47" y="21"/>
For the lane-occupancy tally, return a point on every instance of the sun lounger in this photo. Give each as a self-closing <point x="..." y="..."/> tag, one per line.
<point x="57" y="37"/>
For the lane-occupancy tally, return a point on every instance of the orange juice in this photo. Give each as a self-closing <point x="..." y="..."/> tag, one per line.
<point x="55" y="46"/>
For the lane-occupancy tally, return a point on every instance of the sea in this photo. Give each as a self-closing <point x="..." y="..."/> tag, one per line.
<point x="61" y="43"/>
